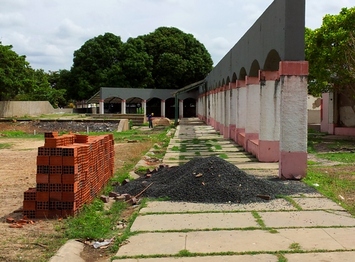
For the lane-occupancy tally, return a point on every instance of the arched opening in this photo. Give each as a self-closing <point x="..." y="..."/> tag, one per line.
<point x="170" y="108"/>
<point x="134" y="105"/>
<point x="112" y="105"/>
<point x="189" y="107"/>
<point x="154" y="106"/>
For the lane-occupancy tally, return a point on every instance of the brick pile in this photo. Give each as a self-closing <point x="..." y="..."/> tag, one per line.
<point x="71" y="171"/>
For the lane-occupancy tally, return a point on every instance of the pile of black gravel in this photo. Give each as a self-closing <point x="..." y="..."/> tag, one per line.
<point x="210" y="180"/>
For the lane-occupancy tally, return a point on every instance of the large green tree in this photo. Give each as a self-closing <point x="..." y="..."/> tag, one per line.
<point x="329" y="50"/>
<point x="15" y="74"/>
<point x="166" y="58"/>
<point x="97" y="64"/>
<point x="179" y="59"/>
<point x="18" y="81"/>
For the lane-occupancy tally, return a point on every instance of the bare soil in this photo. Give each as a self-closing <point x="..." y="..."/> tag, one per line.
<point x="38" y="241"/>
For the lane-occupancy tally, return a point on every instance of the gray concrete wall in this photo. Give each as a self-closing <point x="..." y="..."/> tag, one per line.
<point x="28" y="108"/>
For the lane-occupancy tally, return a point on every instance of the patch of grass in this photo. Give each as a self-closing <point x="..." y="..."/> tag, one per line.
<point x="338" y="157"/>
<point x="175" y="148"/>
<point x="311" y="163"/>
<point x="93" y="222"/>
<point x="182" y="157"/>
<point x="223" y="156"/>
<point x="185" y="253"/>
<point x="258" y="219"/>
<point x="197" y="153"/>
<point x="334" y="182"/>
<point x="195" y="141"/>
<point x="293" y="202"/>
<point x="295" y="246"/>
<point x="19" y="134"/>
<point x="218" y="147"/>
<point x="281" y="258"/>
<point x="5" y="145"/>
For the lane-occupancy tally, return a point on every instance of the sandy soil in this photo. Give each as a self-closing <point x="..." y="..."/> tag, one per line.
<point x="17" y="174"/>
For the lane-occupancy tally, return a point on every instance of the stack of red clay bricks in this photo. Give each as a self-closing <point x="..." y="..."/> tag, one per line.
<point x="71" y="171"/>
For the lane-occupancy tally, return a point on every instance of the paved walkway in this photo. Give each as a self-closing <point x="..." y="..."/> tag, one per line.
<point x="300" y="228"/>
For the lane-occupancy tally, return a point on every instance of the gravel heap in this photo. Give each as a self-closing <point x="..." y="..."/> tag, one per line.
<point x="210" y="180"/>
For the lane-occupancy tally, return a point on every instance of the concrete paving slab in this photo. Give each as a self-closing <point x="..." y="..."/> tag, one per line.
<point x="305" y="219"/>
<point x="320" y="203"/>
<point x="307" y="195"/>
<point x="344" y="236"/>
<point x="258" y="165"/>
<point x="153" y="243"/>
<point x="193" y="221"/>
<point x="311" y="239"/>
<point x="183" y="207"/>
<point x="70" y="251"/>
<point x="241" y="258"/>
<point x="325" y="257"/>
<point x="235" y="241"/>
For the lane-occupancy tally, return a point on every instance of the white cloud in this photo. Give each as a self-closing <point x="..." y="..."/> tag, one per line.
<point x="11" y="19"/>
<point x="48" y="32"/>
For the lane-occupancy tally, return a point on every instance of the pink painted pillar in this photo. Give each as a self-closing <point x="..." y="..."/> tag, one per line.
<point x="181" y="108"/>
<point x="123" y="106"/>
<point x="144" y="106"/>
<point x="293" y="119"/>
<point x="232" y="111"/>
<point x="162" y="107"/>
<point x="101" y="107"/>
<point x="241" y="111"/>
<point x="253" y="110"/>
<point x="269" y="134"/>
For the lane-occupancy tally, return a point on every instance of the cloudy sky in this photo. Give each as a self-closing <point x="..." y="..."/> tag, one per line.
<point x="49" y="31"/>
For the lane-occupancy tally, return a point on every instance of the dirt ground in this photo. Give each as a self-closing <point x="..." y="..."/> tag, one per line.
<point x="17" y="174"/>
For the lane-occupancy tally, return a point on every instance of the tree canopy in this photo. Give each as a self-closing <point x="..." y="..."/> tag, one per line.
<point x="166" y="58"/>
<point x="330" y="51"/>
<point x="18" y="81"/>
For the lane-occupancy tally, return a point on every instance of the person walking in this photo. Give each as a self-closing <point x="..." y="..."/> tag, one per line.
<point x="150" y="120"/>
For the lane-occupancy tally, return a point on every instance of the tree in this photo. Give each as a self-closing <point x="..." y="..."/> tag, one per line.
<point x="329" y="50"/>
<point x="97" y="64"/>
<point x="178" y="58"/>
<point x="137" y="64"/>
<point x="15" y="74"/>
<point x="166" y="58"/>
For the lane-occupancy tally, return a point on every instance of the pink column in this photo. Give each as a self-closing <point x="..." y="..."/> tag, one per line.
<point x="293" y="119"/>
<point x="233" y="111"/>
<point x="269" y="134"/>
<point x="144" y="106"/>
<point x="241" y="111"/>
<point x="162" y="106"/>
<point x="123" y="106"/>
<point x="101" y="107"/>
<point x="181" y="108"/>
<point x="252" y="124"/>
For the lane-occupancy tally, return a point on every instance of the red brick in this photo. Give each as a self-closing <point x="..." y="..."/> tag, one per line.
<point x="54" y="213"/>
<point x="29" y="205"/>
<point x="56" y="160"/>
<point x="42" y="178"/>
<point x="30" y="194"/>
<point x="55" y="196"/>
<point x="42" y="160"/>
<point x="55" y="178"/>
<point x="42" y="213"/>
<point x="70" y="160"/>
<point x="42" y="196"/>
<point x="70" y="178"/>
<point x="42" y="205"/>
